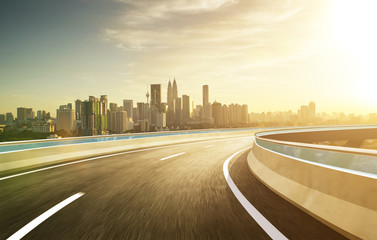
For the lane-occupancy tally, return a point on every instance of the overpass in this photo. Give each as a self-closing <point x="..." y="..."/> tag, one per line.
<point x="197" y="184"/>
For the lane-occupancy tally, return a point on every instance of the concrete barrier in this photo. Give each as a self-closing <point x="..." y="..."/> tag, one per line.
<point x="345" y="201"/>
<point x="39" y="157"/>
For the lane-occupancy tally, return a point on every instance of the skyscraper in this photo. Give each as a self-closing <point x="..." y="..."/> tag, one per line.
<point x="9" y="117"/>
<point x="178" y="111"/>
<point x="113" y="106"/>
<point x="128" y="106"/>
<point x="78" y="109"/>
<point x="207" y="108"/>
<point x="93" y="121"/>
<point x="205" y="95"/>
<point x="21" y="114"/>
<point x="185" y="108"/>
<point x="217" y="114"/>
<point x="29" y="114"/>
<point x="41" y="114"/>
<point x="65" y="116"/>
<point x="170" y="100"/>
<point x="141" y="111"/>
<point x="312" y="110"/>
<point x="2" y="119"/>
<point x="156" y="96"/>
<point x="175" y="90"/>
<point x="170" y="93"/>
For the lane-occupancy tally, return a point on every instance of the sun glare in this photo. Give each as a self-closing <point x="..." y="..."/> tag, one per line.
<point x="354" y="23"/>
<point x="355" y="32"/>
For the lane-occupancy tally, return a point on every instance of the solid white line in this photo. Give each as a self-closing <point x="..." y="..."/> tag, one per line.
<point x="114" y="154"/>
<point x="33" y="224"/>
<point x="270" y="229"/>
<point x="162" y="159"/>
<point x="209" y="146"/>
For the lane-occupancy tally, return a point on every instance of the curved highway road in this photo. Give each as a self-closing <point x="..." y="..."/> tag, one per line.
<point x="173" y="192"/>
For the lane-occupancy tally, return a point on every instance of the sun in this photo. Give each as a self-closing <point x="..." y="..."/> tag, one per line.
<point x="354" y="23"/>
<point x="354" y="27"/>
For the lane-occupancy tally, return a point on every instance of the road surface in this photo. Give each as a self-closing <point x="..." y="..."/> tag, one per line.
<point x="173" y="192"/>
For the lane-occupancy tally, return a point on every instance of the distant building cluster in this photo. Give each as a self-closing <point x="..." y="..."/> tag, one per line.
<point x="307" y="115"/>
<point x="97" y="116"/>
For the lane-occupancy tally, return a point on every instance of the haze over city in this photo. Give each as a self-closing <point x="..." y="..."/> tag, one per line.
<point x="271" y="55"/>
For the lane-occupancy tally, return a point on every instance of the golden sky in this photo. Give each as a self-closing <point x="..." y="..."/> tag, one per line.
<point x="272" y="55"/>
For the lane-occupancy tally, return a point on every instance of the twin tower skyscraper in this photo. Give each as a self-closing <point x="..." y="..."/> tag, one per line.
<point x="174" y="113"/>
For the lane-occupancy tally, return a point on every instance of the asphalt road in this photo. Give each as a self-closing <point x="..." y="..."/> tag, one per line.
<point x="139" y="196"/>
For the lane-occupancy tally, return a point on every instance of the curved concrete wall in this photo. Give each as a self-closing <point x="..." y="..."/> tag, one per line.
<point x="345" y="201"/>
<point x="43" y="156"/>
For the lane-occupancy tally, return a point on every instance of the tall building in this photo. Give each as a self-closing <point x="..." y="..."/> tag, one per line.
<point x="156" y="96"/>
<point x="170" y="93"/>
<point x="118" y="121"/>
<point x="303" y="113"/>
<point x="41" y="115"/>
<point x="178" y="111"/>
<point x="104" y="104"/>
<point x="141" y="111"/>
<point x="65" y="116"/>
<point x="205" y="95"/>
<point x="113" y="106"/>
<point x="29" y="114"/>
<point x="207" y="108"/>
<point x="21" y="114"/>
<point x="92" y="120"/>
<point x="78" y="109"/>
<point x="244" y="114"/>
<point x="170" y="100"/>
<point x="185" y="108"/>
<point x="2" y="119"/>
<point x="9" y="117"/>
<point x="217" y="114"/>
<point x="128" y="106"/>
<point x="225" y="113"/>
<point x="312" y="112"/>
<point x="175" y="90"/>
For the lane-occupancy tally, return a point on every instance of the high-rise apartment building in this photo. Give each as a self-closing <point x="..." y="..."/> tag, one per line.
<point x="217" y="114"/>
<point x="118" y="121"/>
<point x="2" y="119"/>
<point x="29" y="114"/>
<point x="65" y="116"/>
<point x="178" y="111"/>
<point x="244" y="115"/>
<point x="9" y="117"/>
<point x="24" y="114"/>
<point x="128" y="106"/>
<point x="41" y="115"/>
<point x="78" y="109"/>
<point x="185" y="108"/>
<point x="312" y="112"/>
<point x="113" y="107"/>
<point x="94" y="116"/>
<point x="205" y="95"/>
<point x="207" y="108"/>
<point x="141" y="111"/>
<point x="156" y="96"/>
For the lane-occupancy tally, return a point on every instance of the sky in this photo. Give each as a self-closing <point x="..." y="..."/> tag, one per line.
<point x="271" y="55"/>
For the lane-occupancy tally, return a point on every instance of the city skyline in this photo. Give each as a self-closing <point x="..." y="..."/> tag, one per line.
<point x="270" y="55"/>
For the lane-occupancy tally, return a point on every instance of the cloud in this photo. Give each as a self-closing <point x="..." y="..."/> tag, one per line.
<point x="216" y="41"/>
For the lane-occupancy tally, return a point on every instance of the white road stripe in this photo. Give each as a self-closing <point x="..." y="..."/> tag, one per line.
<point x="175" y="155"/>
<point x="33" y="224"/>
<point x="270" y="229"/>
<point x="114" y="154"/>
<point x="209" y="146"/>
